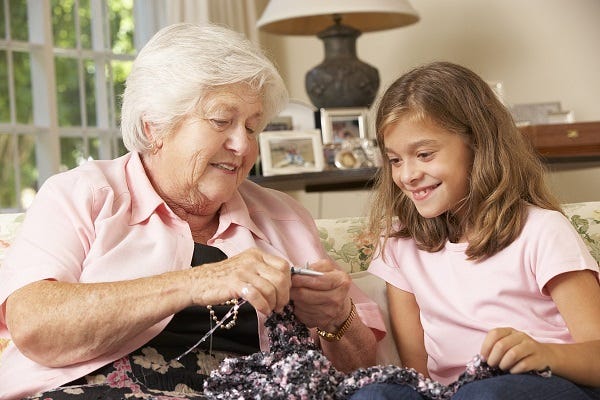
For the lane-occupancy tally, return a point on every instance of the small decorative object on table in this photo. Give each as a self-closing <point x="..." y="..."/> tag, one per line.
<point x="356" y="153"/>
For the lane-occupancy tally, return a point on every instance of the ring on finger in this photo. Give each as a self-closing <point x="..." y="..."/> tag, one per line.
<point x="245" y="291"/>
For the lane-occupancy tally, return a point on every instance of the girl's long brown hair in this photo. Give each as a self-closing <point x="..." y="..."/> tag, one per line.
<point x="506" y="174"/>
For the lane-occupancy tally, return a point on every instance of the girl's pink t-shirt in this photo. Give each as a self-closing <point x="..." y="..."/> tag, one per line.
<point x="461" y="300"/>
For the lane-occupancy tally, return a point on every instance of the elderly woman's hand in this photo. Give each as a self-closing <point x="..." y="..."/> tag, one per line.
<point x="322" y="300"/>
<point x="260" y="278"/>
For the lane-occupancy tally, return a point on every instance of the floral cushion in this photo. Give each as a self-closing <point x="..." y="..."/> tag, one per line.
<point x="585" y="217"/>
<point x="9" y="225"/>
<point x="346" y="242"/>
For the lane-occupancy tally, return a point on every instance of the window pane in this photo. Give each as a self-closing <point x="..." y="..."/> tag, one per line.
<point x="90" y="91"/>
<point x="28" y="167"/>
<point x="72" y="152"/>
<point x="120" y="71"/>
<point x="121" y="147"/>
<point x="93" y="148"/>
<point x="22" y="74"/>
<point x="67" y="87"/>
<point x="2" y="25"/>
<point x="63" y="23"/>
<point x="85" y="24"/>
<point x="121" y="26"/>
<point x="18" y="20"/>
<point x="8" y="198"/>
<point x="4" y="100"/>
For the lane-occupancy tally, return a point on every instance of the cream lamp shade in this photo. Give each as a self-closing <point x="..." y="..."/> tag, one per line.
<point x="341" y="80"/>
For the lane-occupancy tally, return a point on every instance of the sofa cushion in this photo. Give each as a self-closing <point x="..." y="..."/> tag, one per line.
<point x="585" y="217"/>
<point x="346" y="242"/>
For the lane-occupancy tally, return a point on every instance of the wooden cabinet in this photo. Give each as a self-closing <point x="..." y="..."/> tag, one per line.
<point x="574" y="142"/>
<point x="578" y="141"/>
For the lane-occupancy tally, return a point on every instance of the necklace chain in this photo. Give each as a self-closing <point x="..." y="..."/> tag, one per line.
<point x="230" y="324"/>
<point x="231" y="311"/>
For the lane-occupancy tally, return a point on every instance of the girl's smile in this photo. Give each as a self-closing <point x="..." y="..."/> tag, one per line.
<point x="422" y="193"/>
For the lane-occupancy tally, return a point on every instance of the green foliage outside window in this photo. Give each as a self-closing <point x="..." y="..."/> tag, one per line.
<point x="69" y="72"/>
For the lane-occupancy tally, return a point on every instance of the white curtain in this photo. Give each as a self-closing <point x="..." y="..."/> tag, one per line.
<point x="239" y="15"/>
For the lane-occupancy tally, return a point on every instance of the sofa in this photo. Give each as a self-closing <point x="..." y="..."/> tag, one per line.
<point x="345" y="241"/>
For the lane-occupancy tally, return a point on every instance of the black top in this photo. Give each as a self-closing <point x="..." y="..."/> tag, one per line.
<point x="191" y="323"/>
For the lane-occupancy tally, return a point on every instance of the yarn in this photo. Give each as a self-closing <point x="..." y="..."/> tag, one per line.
<point x="295" y="368"/>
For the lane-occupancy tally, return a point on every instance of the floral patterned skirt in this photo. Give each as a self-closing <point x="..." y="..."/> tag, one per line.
<point x="144" y="374"/>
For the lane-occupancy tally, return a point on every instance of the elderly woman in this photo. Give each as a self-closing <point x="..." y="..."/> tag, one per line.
<point x="99" y="286"/>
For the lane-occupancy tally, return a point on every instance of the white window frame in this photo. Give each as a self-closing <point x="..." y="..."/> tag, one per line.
<point x="45" y="126"/>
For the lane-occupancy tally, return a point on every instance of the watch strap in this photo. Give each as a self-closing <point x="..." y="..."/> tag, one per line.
<point x="336" y="336"/>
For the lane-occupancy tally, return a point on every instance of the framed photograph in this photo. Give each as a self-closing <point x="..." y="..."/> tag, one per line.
<point x="341" y="124"/>
<point x="291" y="152"/>
<point x="280" y="123"/>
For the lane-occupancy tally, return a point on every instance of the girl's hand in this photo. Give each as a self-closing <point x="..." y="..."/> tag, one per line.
<point x="515" y="351"/>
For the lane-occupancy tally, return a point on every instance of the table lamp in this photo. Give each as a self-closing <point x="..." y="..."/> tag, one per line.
<point x="341" y="80"/>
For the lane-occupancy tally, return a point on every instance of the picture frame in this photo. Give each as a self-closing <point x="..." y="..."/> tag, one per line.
<point x="280" y="123"/>
<point x="291" y="152"/>
<point x="534" y="113"/>
<point x="341" y="124"/>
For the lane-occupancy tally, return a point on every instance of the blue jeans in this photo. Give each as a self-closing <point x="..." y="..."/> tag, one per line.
<point x="513" y="387"/>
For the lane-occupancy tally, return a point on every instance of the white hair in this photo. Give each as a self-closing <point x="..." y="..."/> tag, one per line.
<point x="179" y="66"/>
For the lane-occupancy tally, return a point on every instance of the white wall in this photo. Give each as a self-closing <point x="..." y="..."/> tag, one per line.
<point x="542" y="50"/>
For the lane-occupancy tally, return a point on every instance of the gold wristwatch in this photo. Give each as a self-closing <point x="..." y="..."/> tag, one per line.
<point x="334" y="337"/>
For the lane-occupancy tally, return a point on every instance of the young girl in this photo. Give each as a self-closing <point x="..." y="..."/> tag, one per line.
<point x="477" y="255"/>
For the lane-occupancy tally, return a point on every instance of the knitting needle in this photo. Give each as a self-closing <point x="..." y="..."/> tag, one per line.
<point x="305" y="271"/>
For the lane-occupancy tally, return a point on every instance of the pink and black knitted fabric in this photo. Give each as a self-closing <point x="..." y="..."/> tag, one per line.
<point x="295" y="368"/>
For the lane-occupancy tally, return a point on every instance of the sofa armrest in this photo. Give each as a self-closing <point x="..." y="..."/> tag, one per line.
<point x="374" y="287"/>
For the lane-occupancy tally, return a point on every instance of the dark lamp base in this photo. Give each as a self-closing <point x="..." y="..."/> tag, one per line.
<point x="341" y="80"/>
